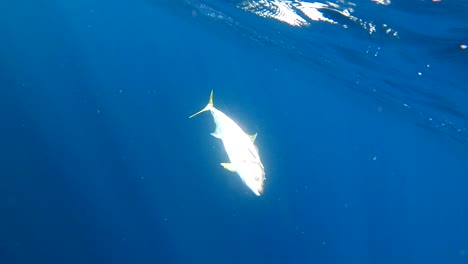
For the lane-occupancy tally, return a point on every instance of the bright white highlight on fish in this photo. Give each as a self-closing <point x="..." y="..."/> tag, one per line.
<point x="240" y="148"/>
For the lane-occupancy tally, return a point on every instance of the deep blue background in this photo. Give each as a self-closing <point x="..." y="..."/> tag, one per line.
<point x="366" y="161"/>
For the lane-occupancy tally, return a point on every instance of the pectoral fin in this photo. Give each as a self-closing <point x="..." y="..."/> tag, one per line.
<point x="228" y="166"/>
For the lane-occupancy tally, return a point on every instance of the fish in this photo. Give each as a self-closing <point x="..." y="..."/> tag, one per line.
<point x="243" y="154"/>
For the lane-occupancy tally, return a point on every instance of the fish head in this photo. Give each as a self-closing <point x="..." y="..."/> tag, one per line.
<point x="253" y="175"/>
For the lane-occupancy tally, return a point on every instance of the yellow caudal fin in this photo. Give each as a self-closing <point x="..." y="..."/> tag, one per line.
<point x="207" y="107"/>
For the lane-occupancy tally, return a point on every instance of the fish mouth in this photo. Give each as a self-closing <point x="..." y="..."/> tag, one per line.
<point x="260" y="191"/>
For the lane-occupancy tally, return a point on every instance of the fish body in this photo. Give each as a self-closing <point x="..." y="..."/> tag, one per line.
<point x="243" y="154"/>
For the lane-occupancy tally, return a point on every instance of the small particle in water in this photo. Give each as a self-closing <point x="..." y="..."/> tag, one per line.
<point x="98" y="111"/>
<point x="323" y="242"/>
<point x="419" y="73"/>
<point x="463" y="46"/>
<point x="374" y="158"/>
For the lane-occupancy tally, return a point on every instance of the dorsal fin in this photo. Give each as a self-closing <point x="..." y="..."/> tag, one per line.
<point x="253" y="137"/>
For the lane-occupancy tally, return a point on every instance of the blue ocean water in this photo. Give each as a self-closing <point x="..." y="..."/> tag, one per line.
<point x="360" y="108"/>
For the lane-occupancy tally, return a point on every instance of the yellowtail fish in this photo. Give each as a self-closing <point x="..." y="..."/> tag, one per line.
<point x="240" y="148"/>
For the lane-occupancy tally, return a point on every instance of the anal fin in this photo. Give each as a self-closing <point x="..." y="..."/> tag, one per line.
<point x="215" y="134"/>
<point x="228" y="166"/>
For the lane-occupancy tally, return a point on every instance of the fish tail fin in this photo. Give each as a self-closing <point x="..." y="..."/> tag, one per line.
<point x="207" y="107"/>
